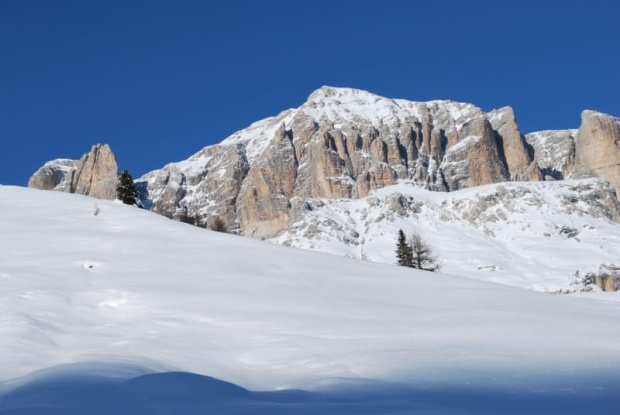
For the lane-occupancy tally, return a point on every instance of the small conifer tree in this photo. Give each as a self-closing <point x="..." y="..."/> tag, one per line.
<point x="126" y="190"/>
<point x="403" y="251"/>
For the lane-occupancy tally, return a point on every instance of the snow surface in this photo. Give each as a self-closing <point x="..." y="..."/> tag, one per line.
<point x="132" y="286"/>
<point x="98" y="390"/>
<point x="509" y="233"/>
<point x="65" y="165"/>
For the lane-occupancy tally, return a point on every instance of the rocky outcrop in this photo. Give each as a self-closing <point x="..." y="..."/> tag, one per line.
<point x="200" y="189"/>
<point x="263" y="204"/>
<point x="554" y="152"/>
<point x="597" y="148"/>
<point x="475" y="159"/>
<point x="513" y="147"/>
<point x="591" y="151"/>
<point x="95" y="174"/>
<point x="54" y="175"/>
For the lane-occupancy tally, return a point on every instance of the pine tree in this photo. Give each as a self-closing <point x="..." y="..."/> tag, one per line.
<point x="126" y="190"/>
<point x="403" y="251"/>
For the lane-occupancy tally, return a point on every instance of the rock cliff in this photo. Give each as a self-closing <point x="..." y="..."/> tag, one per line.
<point x="597" y="148"/>
<point x="591" y="151"/>
<point x="554" y="152"/>
<point x="341" y="143"/>
<point x="95" y="174"/>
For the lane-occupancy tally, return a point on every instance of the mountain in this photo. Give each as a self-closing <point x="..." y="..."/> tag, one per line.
<point x="341" y="143"/>
<point x="344" y="143"/>
<point x="347" y="169"/>
<point x="128" y="286"/>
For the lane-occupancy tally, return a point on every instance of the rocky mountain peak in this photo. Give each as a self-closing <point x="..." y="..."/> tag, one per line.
<point x="329" y="91"/>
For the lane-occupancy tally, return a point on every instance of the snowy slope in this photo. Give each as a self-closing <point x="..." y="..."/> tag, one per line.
<point x="510" y="233"/>
<point x="128" y="284"/>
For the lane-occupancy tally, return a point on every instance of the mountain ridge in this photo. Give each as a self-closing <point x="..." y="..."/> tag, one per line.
<point x="344" y="143"/>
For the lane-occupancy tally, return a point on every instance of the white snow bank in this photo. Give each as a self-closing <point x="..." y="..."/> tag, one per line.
<point x="128" y="283"/>
<point x="509" y="233"/>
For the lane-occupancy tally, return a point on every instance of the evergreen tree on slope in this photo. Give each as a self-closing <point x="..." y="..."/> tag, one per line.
<point x="126" y="190"/>
<point x="403" y="250"/>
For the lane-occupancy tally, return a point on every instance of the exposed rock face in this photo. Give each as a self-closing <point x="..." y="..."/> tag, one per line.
<point x="95" y="174"/>
<point x="54" y="175"/>
<point x="341" y="143"/>
<point x="263" y="204"/>
<point x="554" y="152"/>
<point x="345" y="143"/>
<point x="591" y="151"/>
<point x="597" y="148"/>
<point x="199" y="189"/>
<point x="475" y="159"/>
<point x="513" y="146"/>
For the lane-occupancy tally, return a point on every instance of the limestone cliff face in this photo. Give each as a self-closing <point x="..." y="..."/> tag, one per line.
<point x="597" y="148"/>
<point x="474" y="160"/>
<point x="263" y="203"/>
<point x="341" y="143"/>
<point x="200" y="189"/>
<point x="591" y="151"/>
<point x="513" y="147"/>
<point x="95" y="174"/>
<point x="554" y="152"/>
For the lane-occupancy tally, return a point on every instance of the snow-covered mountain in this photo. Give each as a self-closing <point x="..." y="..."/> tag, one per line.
<point x="341" y="143"/>
<point x="347" y="169"/>
<point x="344" y="143"/>
<point x="127" y="285"/>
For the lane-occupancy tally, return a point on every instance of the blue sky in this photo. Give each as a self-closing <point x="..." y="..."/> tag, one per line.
<point x="159" y="80"/>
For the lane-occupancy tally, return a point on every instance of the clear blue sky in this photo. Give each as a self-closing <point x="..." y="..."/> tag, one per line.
<point x="159" y="80"/>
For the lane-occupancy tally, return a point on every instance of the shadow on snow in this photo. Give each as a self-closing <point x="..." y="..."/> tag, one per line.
<point x="186" y="393"/>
